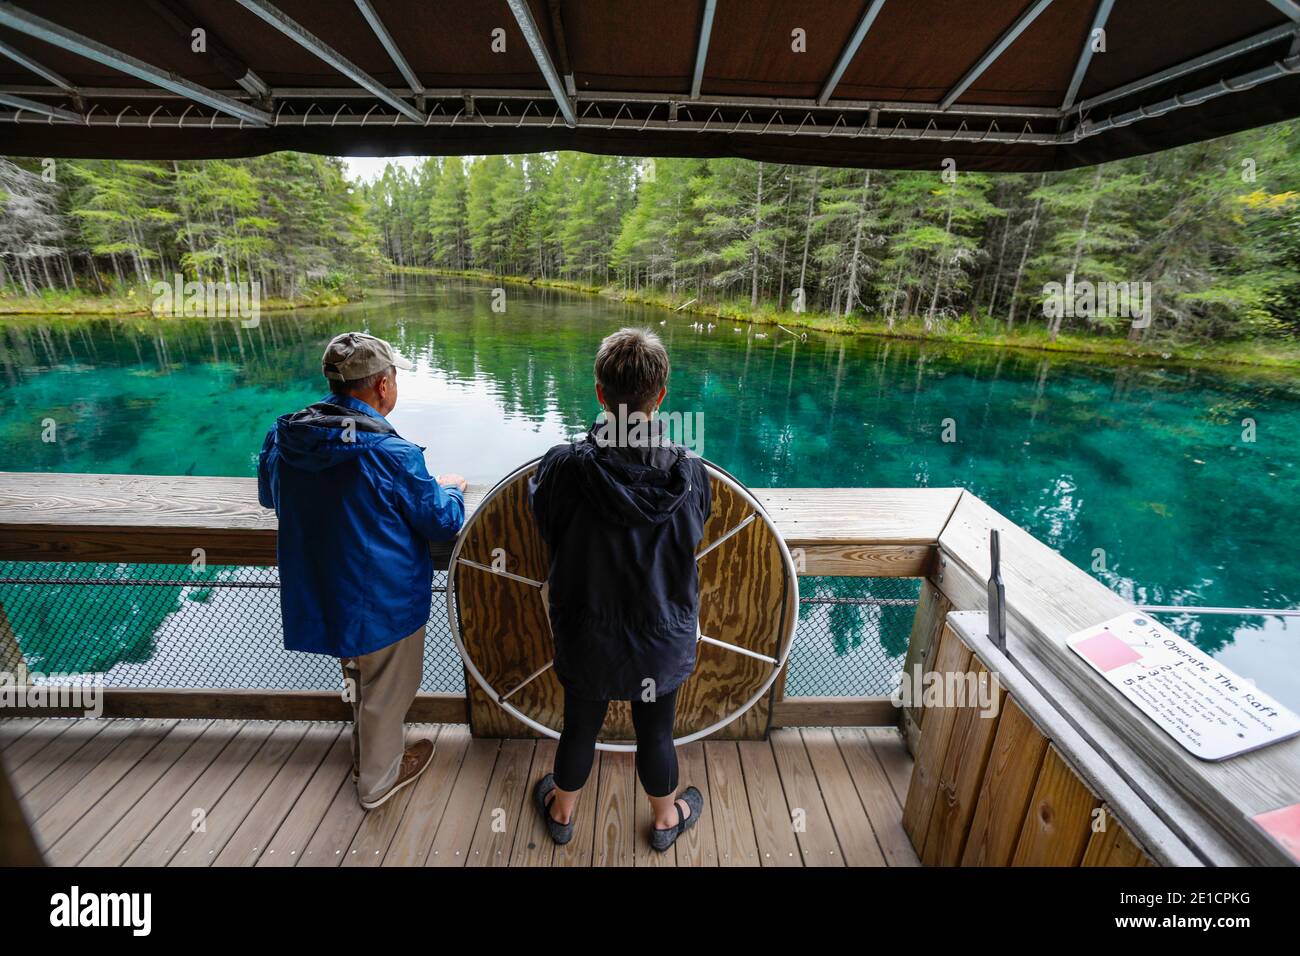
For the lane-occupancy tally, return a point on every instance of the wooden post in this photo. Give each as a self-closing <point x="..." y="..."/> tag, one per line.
<point x="931" y="610"/>
<point x="1212" y="803"/>
<point x="1012" y="769"/>
<point x="12" y="660"/>
<point x="1113" y="846"/>
<point x="953" y="658"/>
<point x="1003" y="779"/>
<point x="958" y="779"/>
<point x="1058" y="821"/>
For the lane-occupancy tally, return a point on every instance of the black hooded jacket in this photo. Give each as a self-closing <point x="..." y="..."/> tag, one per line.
<point x="623" y="526"/>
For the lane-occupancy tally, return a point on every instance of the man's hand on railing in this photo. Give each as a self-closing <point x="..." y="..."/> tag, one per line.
<point x="450" y="480"/>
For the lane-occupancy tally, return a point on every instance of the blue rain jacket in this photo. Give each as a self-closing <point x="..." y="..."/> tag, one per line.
<point x="356" y="518"/>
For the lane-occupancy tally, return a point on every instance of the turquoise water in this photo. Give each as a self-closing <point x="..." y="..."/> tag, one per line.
<point x="1139" y="474"/>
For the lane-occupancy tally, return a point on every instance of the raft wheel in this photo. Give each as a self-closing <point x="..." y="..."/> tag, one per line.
<point x="784" y="636"/>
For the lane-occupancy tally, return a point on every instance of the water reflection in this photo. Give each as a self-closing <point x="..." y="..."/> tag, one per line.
<point x="1136" y="473"/>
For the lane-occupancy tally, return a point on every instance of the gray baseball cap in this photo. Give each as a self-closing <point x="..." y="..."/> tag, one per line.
<point x="355" y="355"/>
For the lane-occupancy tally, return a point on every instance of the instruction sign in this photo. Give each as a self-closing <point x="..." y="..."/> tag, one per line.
<point x="1211" y="711"/>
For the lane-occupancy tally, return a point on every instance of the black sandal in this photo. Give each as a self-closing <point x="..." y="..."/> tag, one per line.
<point x="661" y="840"/>
<point x="561" y="833"/>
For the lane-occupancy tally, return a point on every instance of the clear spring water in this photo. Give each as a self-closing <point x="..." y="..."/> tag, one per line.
<point x="1138" y="474"/>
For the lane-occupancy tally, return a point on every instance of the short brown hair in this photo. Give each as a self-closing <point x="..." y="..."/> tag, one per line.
<point x="631" y="368"/>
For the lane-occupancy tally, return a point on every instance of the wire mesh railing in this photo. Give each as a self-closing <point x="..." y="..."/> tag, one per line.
<point x="852" y="636"/>
<point x="170" y="626"/>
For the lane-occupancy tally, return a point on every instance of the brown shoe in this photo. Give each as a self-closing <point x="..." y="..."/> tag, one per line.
<point x="414" y="762"/>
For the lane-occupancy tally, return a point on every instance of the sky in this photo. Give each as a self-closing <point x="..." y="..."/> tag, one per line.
<point x="369" y="168"/>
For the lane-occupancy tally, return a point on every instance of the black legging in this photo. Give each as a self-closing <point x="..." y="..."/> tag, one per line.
<point x="656" y="760"/>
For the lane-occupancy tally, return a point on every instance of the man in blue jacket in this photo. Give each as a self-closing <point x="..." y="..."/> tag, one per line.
<point x="357" y="510"/>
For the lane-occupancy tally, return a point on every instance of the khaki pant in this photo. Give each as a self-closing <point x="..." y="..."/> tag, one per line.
<point x="383" y="684"/>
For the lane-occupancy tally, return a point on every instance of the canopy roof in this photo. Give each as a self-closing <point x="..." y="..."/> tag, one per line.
<point x="994" y="85"/>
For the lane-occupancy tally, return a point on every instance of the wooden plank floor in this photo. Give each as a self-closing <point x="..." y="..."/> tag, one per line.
<point x="268" y="793"/>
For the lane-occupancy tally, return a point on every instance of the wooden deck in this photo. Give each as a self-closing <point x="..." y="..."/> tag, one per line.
<point x="163" y="792"/>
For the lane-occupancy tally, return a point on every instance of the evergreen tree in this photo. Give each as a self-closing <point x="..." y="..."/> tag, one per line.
<point x="1213" y="227"/>
<point x="118" y="204"/>
<point x="448" y="217"/>
<point x="740" y="203"/>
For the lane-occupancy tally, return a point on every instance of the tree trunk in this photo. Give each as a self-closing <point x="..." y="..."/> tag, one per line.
<point x="1024" y="255"/>
<point x="855" y="262"/>
<point x="785" y="242"/>
<point x="758" y="225"/>
<point x="894" y="293"/>
<point x="24" y="276"/>
<point x="807" y="232"/>
<point x="1078" y="251"/>
<point x="997" y="272"/>
<point x="938" y="277"/>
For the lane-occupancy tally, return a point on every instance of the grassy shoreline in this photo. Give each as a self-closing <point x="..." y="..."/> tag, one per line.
<point x="1255" y="355"/>
<point x="136" y="302"/>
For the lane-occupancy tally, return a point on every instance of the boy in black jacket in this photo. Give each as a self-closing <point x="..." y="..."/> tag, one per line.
<point x="622" y="512"/>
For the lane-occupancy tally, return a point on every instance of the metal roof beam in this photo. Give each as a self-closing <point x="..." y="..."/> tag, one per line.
<point x="1288" y="8"/>
<point x="702" y="48"/>
<point x="533" y="36"/>
<point x="850" y="50"/>
<point x="996" y="50"/>
<point x="630" y="124"/>
<point x="300" y="35"/>
<point x="254" y="85"/>
<point x="562" y="63"/>
<point x="44" y="72"/>
<point x="184" y="24"/>
<point x="1223" y="53"/>
<point x="48" y="32"/>
<point x="44" y="109"/>
<point x="1266" y="74"/>
<point x="394" y="54"/>
<point x="613" y="97"/>
<point x="1085" y="55"/>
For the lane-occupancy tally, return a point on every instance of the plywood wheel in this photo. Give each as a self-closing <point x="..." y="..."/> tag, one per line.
<point x="749" y="602"/>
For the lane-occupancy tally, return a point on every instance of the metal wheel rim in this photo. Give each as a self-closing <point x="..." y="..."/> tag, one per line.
<point x="790" y="597"/>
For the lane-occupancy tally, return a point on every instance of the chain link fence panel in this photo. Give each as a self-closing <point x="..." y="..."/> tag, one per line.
<point x="173" y="626"/>
<point x="852" y="636"/>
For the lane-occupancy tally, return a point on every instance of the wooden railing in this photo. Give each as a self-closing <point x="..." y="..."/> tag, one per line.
<point x="1182" y="809"/>
<point x="1005" y="779"/>
<point x="145" y="519"/>
<point x="1208" y="805"/>
<point x="853" y="532"/>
